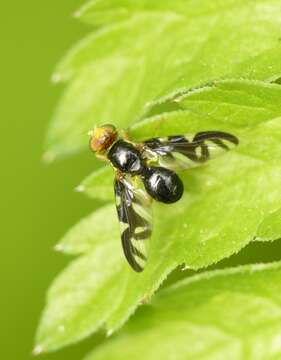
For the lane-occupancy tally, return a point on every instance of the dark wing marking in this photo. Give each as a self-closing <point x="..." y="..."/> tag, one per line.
<point x="177" y="152"/>
<point x="134" y="213"/>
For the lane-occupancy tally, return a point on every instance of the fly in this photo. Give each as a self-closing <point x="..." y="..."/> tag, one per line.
<point x="146" y="171"/>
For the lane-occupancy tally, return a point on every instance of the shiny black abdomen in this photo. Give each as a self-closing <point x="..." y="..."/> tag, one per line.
<point x="162" y="184"/>
<point x="126" y="158"/>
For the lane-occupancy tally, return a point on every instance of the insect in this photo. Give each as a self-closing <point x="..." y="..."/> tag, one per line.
<point x="145" y="171"/>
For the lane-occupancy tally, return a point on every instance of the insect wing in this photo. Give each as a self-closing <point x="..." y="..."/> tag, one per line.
<point x="179" y="152"/>
<point x="134" y="212"/>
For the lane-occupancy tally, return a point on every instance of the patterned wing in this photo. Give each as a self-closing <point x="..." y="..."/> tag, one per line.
<point x="178" y="152"/>
<point x="134" y="212"/>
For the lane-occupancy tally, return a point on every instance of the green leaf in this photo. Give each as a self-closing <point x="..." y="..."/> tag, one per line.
<point x="91" y="232"/>
<point x="221" y="211"/>
<point x="228" y="314"/>
<point x="118" y="70"/>
<point x="78" y="287"/>
<point x="270" y="228"/>
<point x="99" y="184"/>
<point x="96" y="288"/>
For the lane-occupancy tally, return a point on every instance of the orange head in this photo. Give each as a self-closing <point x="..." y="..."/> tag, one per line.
<point x="102" y="138"/>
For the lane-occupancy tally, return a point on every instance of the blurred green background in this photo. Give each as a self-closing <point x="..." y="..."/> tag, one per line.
<point x="38" y="203"/>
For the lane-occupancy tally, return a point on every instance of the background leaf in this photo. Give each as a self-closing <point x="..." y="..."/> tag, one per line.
<point x="118" y="70"/>
<point x="108" y="11"/>
<point x="227" y="314"/>
<point x="224" y="204"/>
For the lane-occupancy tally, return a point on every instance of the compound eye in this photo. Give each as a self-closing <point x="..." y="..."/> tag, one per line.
<point x="102" y="138"/>
<point x="93" y="144"/>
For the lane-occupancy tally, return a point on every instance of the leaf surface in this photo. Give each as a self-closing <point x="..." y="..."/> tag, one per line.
<point x="224" y="205"/>
<point x="228" y="314"/>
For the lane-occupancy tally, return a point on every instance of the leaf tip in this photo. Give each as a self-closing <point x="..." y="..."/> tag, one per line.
<point x="178" y="99"/>
<point x="59" y="247"/>
<point x="56" y="78"/>
<point x="77" y="13"/>
<point x="38" y="350"/>
<point x="48" y="157"/>
<point x="80" y="188"/>
<point x="109" y="332"/>
<point x="146" y="299"/>
<point x="185" y="267"/>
